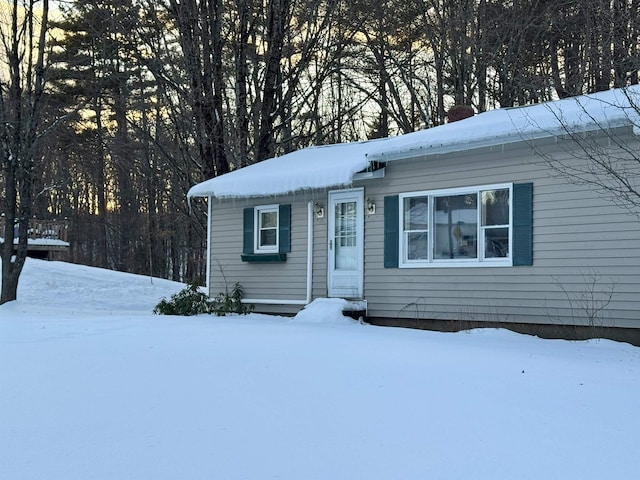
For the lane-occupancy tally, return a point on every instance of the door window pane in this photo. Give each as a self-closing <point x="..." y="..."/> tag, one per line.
<point x="345" y="250"/>
<point x="456" y="227"/>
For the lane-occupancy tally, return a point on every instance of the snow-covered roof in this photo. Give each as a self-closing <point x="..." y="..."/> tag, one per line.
<point x="309" y="168"/>
<point x="336" y="165"/>
<point x="41" y="242"/>
<point x="602" y="110"/>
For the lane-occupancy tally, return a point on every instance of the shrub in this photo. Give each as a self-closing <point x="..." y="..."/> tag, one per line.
<point x="191" y="301"/>
<point x="188" y="301"/>
<point x="231" y="302"/>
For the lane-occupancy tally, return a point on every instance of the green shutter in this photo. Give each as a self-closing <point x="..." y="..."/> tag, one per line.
<point x="284" y="228"/>
<point x="247" y="231"/>
<point x="523" y="224"/>
<point x="391" y="231"/>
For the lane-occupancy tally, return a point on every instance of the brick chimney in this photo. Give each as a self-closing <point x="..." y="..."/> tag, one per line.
<point x="460" y="112"/>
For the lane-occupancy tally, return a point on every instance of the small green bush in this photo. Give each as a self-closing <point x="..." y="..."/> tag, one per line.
<point x="188" y="301"/>
<point x="191" y="301"/>
<point x="231" y="302"/>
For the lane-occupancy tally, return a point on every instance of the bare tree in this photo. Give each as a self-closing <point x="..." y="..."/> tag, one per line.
<point x="607" y="158"/>
<point x="164" y="94"/>
<point x="22" y="96"/>
<point x="200" y="32"/>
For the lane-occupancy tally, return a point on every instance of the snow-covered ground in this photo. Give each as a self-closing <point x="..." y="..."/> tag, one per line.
<point x="93" y="386"/>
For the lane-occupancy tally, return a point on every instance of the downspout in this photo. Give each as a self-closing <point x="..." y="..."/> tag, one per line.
<point x="307" y="300"/>
<point x="309" y="251"/>
<point x="209" y="239"/>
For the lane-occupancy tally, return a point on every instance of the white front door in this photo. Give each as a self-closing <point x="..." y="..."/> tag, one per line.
<point x="346" y="243"/>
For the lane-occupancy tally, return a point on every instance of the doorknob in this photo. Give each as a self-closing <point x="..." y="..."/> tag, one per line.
<point x="330" y="244"/>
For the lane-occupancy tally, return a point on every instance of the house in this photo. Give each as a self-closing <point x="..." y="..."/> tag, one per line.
<point x="47" y="239"/>
<point x="459" y="225"/>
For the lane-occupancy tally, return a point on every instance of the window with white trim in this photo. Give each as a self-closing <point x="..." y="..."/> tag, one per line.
<point x="266" y="233"/>
<point x="266" y="229"/>
<point x="461" y="226"/>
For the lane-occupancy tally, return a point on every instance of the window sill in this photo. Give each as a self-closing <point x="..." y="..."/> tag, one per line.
<point x="264" y="257"/>
<point x="507" y="262"/>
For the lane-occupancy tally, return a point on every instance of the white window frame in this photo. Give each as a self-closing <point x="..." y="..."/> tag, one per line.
<point x="480" y="260"/>
<point x="404" y="233"/>
<point x="257" y="215"/>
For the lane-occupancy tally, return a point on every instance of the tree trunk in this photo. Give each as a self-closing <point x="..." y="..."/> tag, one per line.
<point x="481" y="62"/>
<point x="10" y="277"/>
<point x="102" y="234"/>
<point x="242" y="80"/>
<point x="10" y="270"/>
<point x="276" y="25"/>
<point x="200" y="28"/>
<point x="20" y="112"/>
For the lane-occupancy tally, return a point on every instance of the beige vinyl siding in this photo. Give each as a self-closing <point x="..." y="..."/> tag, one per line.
<point x="320" y="251"/>
<point x="578" y="236"/>
<point x="274" y="281"/>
